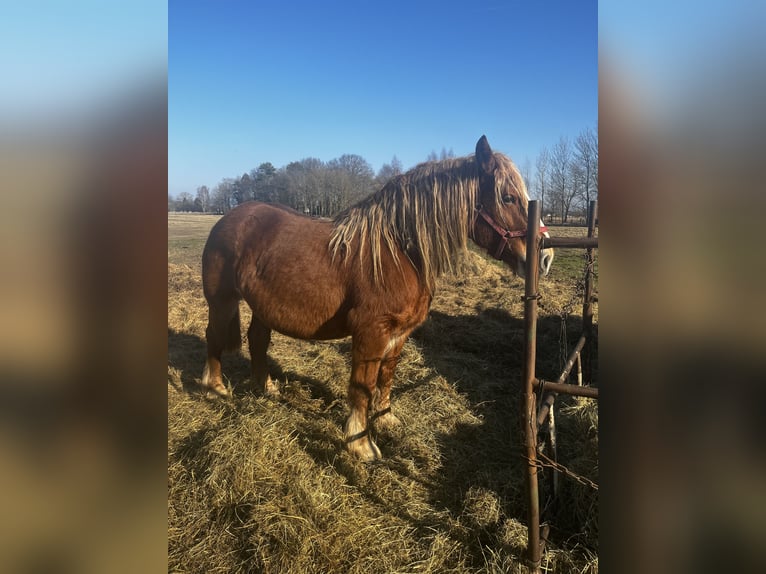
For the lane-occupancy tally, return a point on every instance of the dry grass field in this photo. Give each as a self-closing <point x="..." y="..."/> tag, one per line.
<point x="264" y="485"/>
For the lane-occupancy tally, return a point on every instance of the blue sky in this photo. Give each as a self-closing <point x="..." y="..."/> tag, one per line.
<point x="59" y="58"/>
<point x="251" y="82"/>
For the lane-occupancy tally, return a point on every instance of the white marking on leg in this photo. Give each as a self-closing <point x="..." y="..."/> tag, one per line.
<point x="392" y="344"/>
<point x="355" y="424"/>
<point x="206" y="376"/>
<point x="216" y="388"/>
<point x="270" y="388"/>
<point x="358" y="439"/>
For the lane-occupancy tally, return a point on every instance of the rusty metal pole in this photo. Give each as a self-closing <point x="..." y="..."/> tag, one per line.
<point x="529" y="410"/>
<point x="546" y="404"/>
<point x="587" y="306"/>
<point x="583" y="242"/>
<point x="565" y="389"/>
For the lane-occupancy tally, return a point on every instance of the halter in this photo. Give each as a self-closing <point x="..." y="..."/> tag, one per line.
<point x="505" y="234"/>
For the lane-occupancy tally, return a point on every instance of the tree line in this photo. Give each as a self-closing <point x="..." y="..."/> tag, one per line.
<point x="310" y="186"/>
<point x="565" y="180"/>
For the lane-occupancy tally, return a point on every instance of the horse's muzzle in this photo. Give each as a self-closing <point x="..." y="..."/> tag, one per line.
<point x="546" y="260"/>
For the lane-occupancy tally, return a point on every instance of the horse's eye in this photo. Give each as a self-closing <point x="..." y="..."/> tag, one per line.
<point x="509" y="199"/>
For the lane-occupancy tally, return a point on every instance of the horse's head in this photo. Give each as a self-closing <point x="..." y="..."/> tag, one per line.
<point x="501" y="211"/>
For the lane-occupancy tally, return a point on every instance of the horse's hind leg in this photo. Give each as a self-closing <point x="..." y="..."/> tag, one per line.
<point x="222" y="334"/>
<point x="259" y="337"/>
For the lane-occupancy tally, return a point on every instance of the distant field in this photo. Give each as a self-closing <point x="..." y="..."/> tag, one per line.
<point x="186" y="236"/>
<point x="258" y="485"/>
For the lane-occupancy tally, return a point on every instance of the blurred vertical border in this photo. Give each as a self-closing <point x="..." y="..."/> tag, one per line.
<point x="83" y="172"/>
<point x="682" y="127"/>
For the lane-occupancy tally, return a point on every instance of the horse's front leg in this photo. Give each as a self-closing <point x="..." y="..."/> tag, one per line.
<point x="382" y="416"/>
<point x="364" y="376"/>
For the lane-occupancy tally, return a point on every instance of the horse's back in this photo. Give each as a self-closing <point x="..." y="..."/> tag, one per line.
<point x="278" y="261"/>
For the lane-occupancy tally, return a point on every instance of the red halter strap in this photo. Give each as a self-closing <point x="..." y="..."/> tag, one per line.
<point x="504" y="234"/>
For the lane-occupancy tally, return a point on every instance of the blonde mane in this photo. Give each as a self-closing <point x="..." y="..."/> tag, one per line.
<point x="427" y="213"/>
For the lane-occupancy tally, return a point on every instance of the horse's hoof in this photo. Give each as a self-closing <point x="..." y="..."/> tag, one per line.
<point x="271" y="389"/>
<point x="365" y="450"/>
<point x="219" y="392"/>
<point x="267" y="388"/>
<point x="387" y="422"/>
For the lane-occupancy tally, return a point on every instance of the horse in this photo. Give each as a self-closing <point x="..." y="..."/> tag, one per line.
<point x="369" y="273"/>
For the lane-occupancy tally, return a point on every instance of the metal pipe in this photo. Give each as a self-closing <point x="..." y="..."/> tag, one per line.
<point x="546" y="413"/>
<point x="573" y="356"/>
<point x="587" y="306"/>
<point x="546" y="404"/>
<point x="554" y="451"/>
<point x="545" y="530"/>
<point x="529" y="420"/>
<point x="567" y="389"/>
<point x="589" y="242"/>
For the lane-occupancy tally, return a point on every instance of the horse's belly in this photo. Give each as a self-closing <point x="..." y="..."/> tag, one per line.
<point x="292" y="288"/>
<point x="322" y="332"/>
<point x="301" y="315"/>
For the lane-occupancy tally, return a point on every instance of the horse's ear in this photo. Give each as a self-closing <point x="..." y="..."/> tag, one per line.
<point x="484" y="155"/>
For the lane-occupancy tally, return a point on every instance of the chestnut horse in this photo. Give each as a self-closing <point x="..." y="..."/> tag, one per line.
<point x="369" y="273"/>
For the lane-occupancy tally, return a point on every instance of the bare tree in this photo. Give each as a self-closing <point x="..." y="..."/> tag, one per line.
<point x="185" y="201"/>
<point x="595" y="161"/>
<point x="526" y="169"/>
<point x="352" y="178"/>
<point x="203" y="196"/>
<point x="301" y="186"/>
<point x="387" y="171"/>
<point x="561" y="157"/>
<point x="586" y="156"/>
<point x="222" y="199"/>
<point x="446" y="154"/>
<point x="354" y="164"/>
<point x="575" y="196"/>
<point x="543" y="168"/>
